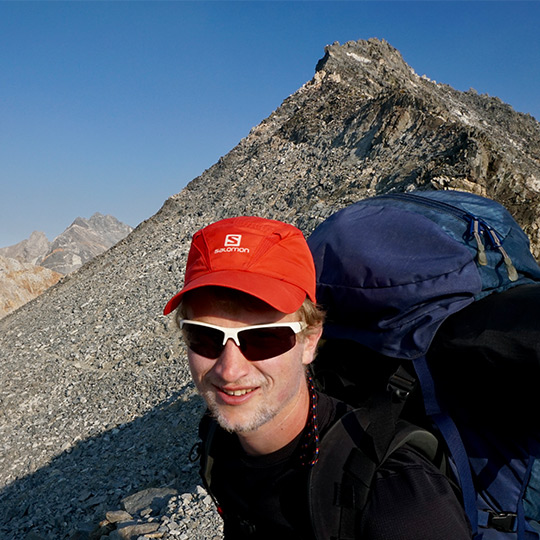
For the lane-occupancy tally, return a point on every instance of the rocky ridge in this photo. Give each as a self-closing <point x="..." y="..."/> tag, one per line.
<point x="96" y="402"/>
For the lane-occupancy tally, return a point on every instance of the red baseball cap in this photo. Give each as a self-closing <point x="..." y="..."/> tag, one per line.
<point x="265" y="258"/>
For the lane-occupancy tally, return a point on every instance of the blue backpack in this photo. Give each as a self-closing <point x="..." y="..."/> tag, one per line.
<point x="410" y="277"/>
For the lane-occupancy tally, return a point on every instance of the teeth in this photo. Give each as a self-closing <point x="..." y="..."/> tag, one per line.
<point x="237" y="392"/>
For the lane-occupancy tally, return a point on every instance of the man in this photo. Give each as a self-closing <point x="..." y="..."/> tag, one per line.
<point x="248" y="315"/>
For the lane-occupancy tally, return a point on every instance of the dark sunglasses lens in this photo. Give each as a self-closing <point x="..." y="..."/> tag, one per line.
<point x="263" y="343"/>
<point x="207" y="342"/>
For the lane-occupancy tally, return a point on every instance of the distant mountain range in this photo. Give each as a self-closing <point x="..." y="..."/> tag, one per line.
<point x="33" y="265"/>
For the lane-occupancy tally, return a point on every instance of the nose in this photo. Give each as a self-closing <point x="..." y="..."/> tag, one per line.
<point x="231" y="365"/>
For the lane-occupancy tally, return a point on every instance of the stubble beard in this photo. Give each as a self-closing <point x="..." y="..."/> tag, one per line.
<point x="263" y="414"/>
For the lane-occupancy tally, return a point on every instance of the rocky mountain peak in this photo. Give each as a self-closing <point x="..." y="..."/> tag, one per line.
<point x="108" y="228"/>
<point x="376" y="69"/>
<point x="373" y="65"/>
<point x="80" y="242"/>
<point x="29" y="250"/>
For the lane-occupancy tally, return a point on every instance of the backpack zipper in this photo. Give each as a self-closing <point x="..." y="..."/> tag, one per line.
<point x="510" y="268"/>
<point x="476" y="228"/>
<point x="481" y="256"/>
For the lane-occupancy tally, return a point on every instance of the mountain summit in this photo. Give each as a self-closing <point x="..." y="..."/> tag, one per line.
<point x="80" y="242"/>
<point x="96" y="396"/>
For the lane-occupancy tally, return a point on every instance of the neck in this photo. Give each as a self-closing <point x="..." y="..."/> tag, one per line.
<point x="280" y="431"/>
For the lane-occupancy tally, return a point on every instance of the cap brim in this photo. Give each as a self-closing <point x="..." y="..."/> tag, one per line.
<point x="279" y="294"/>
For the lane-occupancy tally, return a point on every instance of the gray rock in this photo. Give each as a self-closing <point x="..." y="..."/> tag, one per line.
<point x="128" y="531"/>
<point x="33" y="536"/>
<point x="117" y="516"/>
<point x="154" y="498"/>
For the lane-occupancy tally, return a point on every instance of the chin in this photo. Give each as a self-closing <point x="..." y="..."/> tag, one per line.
<point x="241" y="423"/>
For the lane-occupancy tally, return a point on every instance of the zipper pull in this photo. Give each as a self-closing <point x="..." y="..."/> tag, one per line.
<point x="482" y="258"/>
<point x="510" y="268"/>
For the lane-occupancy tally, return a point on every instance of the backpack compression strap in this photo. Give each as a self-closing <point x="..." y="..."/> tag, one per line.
<point x="452" y="437"/>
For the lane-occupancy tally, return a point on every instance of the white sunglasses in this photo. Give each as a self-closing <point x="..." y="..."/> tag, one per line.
<point x="257" y="342"/>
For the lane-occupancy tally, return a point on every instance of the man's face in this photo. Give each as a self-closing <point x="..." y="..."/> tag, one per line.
<point x="244" y="395"/>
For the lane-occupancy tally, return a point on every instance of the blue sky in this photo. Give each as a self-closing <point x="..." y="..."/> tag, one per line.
<point x="112" y="107"/>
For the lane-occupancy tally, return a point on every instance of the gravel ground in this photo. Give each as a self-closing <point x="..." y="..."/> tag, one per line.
<point x="79" y="436"/>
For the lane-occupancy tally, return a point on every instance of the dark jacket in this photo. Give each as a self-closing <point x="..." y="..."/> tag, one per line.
<point x="266" y="497"/>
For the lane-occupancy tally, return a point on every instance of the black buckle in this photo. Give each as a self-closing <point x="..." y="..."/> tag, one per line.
<point x="401" y="384"/>
<point x="503" y="521"/>
<point x="195" y="452"/>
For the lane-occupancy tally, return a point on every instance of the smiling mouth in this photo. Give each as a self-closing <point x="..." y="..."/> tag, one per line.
<point x="237" y="392"/>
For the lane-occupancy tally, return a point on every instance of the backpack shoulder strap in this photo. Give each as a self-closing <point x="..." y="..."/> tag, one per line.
<point x="341" y="482"/>
<point x="211" y="438"/>
<point x="423" y="441"/>
<point x="352" y="451"/>
<point x="207" y="434"/>
<point x="207" y="461"/>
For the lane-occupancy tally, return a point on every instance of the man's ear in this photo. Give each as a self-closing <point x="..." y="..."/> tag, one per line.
<point x="310" y="341"/>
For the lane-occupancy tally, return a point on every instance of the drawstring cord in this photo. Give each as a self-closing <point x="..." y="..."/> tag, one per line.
<point x="309" y="454"/>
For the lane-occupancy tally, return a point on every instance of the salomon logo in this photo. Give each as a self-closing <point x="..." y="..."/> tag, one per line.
<point x="233" y="240"/>
<point x="232" y="245"/>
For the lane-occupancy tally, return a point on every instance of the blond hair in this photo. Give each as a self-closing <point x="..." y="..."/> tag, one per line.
<point x="308" y="312"/>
